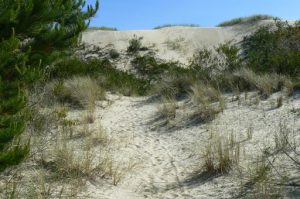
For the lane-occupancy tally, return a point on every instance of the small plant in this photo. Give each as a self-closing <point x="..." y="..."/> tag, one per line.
<point x="114" y="54"/>
<point x="220" y="155"/>
<point x="135" y="44"/>
<point x="89" y="117"/>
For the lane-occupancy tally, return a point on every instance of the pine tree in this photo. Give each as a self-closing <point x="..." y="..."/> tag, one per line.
<point x="33" y="34"/>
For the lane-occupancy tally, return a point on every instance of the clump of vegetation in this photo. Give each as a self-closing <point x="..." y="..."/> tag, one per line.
<point x="103" y="28"/>
<point x="221" y="154"/>
<point x="246" y="20"/>
<point x="266" y="84"/>
<point x="174" y="85"/>
<point x="135" y="45"/>
<point x="114" y="54"/>
<point x="168" y="109"/>
<point x="204" y="98"/>
<point x="207" y="63"/>
<point x="147" y="66"/>
<point x="175" y="25"/>
<point x="268" y="50"/>
<point x="106" y="75"/>
<point x="78" y="91"/>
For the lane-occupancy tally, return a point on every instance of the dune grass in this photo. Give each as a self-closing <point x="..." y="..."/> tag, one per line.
<point x="246" y="20"/>
<point x="174" y="25"/>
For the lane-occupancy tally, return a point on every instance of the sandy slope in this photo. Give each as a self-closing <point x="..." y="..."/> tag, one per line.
<point x="187" y="39"/>
<point x="167" y="159"/>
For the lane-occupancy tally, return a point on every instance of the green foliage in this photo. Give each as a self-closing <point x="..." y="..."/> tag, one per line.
<point x="33" y="34"/>
<point x="230" y="55"/>
<point x="175" y="25"/>
<point x="170" y="79"/>
<point x="148" y="66"/>
<point x="109" y="77"/>
<point x="245" y="20"/>
<point x="269" y="50"/>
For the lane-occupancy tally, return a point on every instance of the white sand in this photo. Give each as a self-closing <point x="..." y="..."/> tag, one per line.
<point x="167" y="159"/>
<point x="189" y="39"/>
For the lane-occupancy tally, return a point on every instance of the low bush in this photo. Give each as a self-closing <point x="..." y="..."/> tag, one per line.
<point x="135" y="44"/>
<point x="114" y="54"/>
<point x="274" y="49"/>
<point x="148" y="67"/>
<point x="174" y="86"/>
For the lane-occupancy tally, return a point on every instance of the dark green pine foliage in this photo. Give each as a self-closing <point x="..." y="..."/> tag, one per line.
<point x="34" y="34"/>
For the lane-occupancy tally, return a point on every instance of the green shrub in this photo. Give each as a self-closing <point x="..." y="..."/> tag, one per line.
<point x="269" y="50"/>
<point x="245" y="20"/>
<point x="229" y="54"/>
<point x="148" y="66"/>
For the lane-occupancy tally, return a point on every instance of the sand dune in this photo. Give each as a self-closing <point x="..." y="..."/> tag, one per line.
<point x="171" y="43"/>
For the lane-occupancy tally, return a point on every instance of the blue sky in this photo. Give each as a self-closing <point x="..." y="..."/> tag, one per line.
<point x="146" y="14"/>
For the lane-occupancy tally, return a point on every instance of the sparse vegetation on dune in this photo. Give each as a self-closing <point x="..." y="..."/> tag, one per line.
<point x="246" y="20"/>
<point x="174" y="25"/>
<point x="105" y="28"/>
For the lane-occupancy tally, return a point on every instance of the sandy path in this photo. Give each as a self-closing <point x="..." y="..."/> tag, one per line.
<point x="157" y="159"/>
<point x="165" y="159"/>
